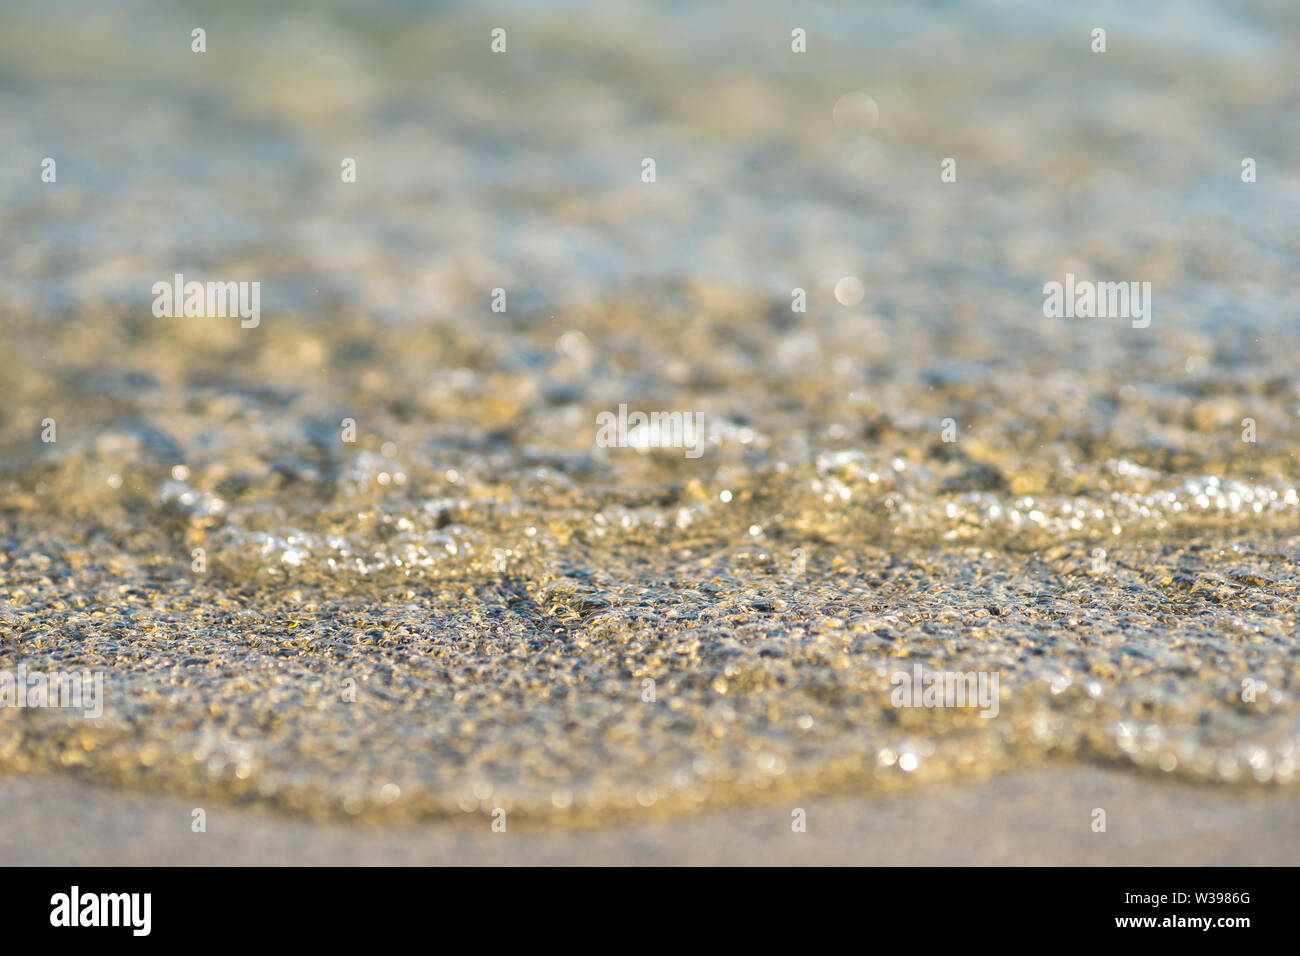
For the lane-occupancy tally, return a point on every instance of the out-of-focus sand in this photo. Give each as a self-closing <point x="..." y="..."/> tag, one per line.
<point x="1041" y="816"/>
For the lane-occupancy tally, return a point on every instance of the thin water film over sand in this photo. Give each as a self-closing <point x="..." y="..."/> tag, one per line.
<point x="366" y="556"/>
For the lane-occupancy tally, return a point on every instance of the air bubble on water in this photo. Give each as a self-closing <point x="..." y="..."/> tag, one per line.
<point x="849" y="291"/>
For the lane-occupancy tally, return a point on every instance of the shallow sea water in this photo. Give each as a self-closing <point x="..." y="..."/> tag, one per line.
<point x="496" y="587"/>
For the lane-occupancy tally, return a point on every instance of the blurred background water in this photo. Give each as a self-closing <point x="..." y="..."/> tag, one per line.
<point x="521" y="170"/>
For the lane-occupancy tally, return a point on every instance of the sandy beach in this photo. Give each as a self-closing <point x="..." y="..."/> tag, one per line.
<point x="1026" y="818"/>
<point x="488" y="468"/>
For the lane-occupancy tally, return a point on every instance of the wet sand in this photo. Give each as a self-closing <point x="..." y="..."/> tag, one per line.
<point x="1039" y="817"/>
<point x="367" y="564"/>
